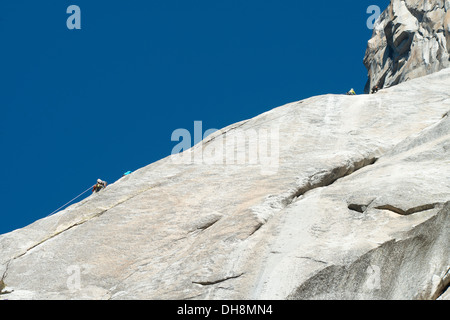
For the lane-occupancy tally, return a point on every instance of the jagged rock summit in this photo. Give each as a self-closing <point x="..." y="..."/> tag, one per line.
<point x="410" y="39"/>
<point x="332" y="197"/>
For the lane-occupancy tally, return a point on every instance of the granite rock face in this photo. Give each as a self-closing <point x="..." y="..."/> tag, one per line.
<point x="332" y="197"/>
<point x="411" y="39"/>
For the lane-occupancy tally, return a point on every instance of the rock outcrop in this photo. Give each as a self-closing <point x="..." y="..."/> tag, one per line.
<point x="332" y="197"/>
<point x="411" y="39"/>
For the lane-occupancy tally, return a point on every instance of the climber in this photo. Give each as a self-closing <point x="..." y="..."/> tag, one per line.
<point x="375" y="89"/>
<point x="351" y="92"/>
<point x="99" y="186"/>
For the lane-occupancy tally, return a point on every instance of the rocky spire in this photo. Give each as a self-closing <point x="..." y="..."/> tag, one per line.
<point x="410" y="39"/>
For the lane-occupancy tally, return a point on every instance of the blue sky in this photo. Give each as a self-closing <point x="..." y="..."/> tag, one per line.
<point x="77" y="105"/>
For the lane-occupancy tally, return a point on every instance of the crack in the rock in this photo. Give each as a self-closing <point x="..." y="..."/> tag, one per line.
<point x="444" y="285"/>
<point x="209" y="283"/>
<point x="312" y="259"/>
<point x="78" y="224"/>
<point x="320" y="179"/>
<point x="207" y="225"/>
<point x="257" y="227"/>
<point x="220" y="133"/>
<point x="408" y="212"/>
<point x="58" y="233"/>
<point x="324" y="179"/>
<point x="201" y="228"/>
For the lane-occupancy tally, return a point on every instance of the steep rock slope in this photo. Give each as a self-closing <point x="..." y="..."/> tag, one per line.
<point x="411" y="39"/>
<point x="329" y="197"/>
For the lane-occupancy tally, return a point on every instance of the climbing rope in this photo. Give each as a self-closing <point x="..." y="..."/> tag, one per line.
<point x="57" y="210"/>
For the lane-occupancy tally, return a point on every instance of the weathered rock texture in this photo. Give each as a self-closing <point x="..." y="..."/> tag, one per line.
<point x="411" y="39"/>
<point x="353" y="202"/>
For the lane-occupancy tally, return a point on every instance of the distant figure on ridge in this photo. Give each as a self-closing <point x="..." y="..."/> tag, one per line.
<point x="375" y="89"/>
<point x="99" y="186"/>
<point x="351" y="92"/>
